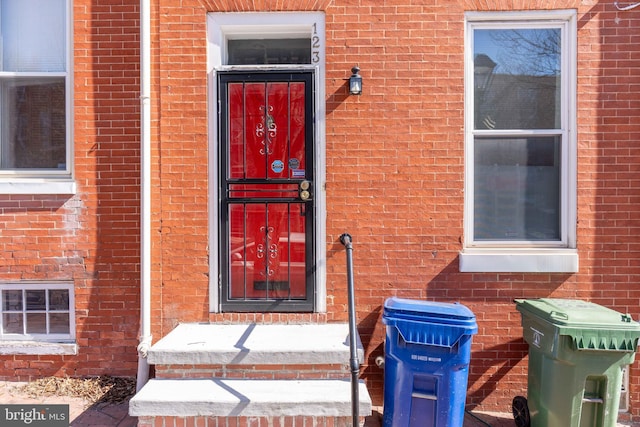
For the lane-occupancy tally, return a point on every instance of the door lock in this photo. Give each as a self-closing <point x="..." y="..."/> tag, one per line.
<point x="304" y="190"/>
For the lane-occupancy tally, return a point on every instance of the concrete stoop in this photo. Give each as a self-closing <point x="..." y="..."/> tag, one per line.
<point x="263" y="375"/>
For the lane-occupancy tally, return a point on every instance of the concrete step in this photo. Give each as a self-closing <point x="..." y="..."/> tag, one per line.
<point x="276" y="374"/>
<point x="247" y="344"/>
<point x="247" y="398"/>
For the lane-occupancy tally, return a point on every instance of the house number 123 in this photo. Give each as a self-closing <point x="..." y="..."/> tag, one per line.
<point x="315" y="45"/>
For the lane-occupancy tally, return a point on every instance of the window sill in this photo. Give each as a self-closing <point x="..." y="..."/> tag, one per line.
<point x="37" y="348"/>
<point x="519" y="261"/>
<point x="37" y="186"/>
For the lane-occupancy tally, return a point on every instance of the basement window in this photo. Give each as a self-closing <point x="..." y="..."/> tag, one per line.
<point x="37" y="318"/>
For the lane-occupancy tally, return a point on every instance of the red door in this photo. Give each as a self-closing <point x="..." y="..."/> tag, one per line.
<point x="266" y="191"/>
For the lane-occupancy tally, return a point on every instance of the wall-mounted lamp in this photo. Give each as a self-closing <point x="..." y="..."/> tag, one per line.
<point x="355" y="81"/>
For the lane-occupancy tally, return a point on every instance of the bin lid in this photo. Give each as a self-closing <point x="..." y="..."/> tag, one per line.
<point x="454" y="314"/>
<point x="591" y="325"/>
<point x="576" y="313"/>
<point x="429" y="323"/>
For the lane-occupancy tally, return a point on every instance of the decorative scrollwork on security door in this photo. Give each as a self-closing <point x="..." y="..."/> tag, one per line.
<point x="273" y="251"/>
<point x="267" y="130"/>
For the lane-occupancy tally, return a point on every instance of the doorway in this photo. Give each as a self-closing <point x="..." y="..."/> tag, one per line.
<point x="266" y="49"/>
<point x="266" y="178"/>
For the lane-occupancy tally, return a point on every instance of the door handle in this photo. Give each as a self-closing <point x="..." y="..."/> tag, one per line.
<point x="304" y="190"/>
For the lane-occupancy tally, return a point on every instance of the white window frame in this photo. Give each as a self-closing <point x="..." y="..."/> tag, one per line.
<point x="35" y="181"/>
<point x="39" y="343"/>
<point x="524" y="256"/>
<point x="222" y="26"/>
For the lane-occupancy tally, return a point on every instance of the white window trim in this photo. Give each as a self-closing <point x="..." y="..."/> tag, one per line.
<point x="220" y="28"/>
<point x="37" y="348"/>
<point x="49" y="346"/>
<point x="50" y="181"/>
<point x="559" y="257"/>
<point x="37" y="186"/>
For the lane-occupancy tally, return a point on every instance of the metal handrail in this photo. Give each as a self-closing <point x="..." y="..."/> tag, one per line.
<point x="354" y="364"/>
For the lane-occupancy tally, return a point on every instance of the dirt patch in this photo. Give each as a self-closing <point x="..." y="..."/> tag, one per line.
<point x="94" y="389"/>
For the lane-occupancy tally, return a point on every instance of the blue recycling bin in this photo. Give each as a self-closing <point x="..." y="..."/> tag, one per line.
<point x="426" y="363"/>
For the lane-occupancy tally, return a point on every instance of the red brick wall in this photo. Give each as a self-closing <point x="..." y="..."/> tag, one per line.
<point x="395" y="177"/>
<point x="92" y="238"/>
<point x="394" y="180"/>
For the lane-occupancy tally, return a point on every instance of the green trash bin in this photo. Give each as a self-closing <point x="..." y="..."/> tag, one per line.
<point x="577" y="351"/>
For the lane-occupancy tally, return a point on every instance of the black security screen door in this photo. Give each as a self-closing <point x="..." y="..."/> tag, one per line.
<point x="266" y="191"/>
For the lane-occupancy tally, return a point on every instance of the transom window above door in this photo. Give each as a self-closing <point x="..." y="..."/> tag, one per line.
<point x="269" y="51"/>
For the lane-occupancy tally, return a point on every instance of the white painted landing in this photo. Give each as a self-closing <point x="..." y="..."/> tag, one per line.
<point x="221" y="344"/>
<point x="242" y="398"/>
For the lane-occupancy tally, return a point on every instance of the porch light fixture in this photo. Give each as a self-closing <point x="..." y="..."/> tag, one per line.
<point x="355" y="81"/>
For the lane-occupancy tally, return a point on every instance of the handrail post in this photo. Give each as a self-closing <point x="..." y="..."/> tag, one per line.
<point x="354" y="364"/>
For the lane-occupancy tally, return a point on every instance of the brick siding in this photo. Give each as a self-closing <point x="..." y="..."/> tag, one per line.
<point x="394" y="181"/>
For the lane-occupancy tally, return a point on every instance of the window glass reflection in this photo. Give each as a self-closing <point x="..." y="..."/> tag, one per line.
<point x="59" y="323"/>
<point x="12" y="300"/>
<point x="36" y="323"/>
<point x="269" y="51"/>
<point x="12" y="323"/>
<point x="36" y="300"/>
<point x="58" y="299"/>
<point x="516" y="189"/>
<point x="517" y="78"/>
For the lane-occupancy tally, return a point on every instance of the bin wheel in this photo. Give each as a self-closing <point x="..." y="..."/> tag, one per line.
<point x="521" y="412"/>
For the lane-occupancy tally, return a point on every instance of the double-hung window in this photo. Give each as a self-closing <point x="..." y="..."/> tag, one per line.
<point x="35" y="96"/>
<point x="520" y="142"/>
